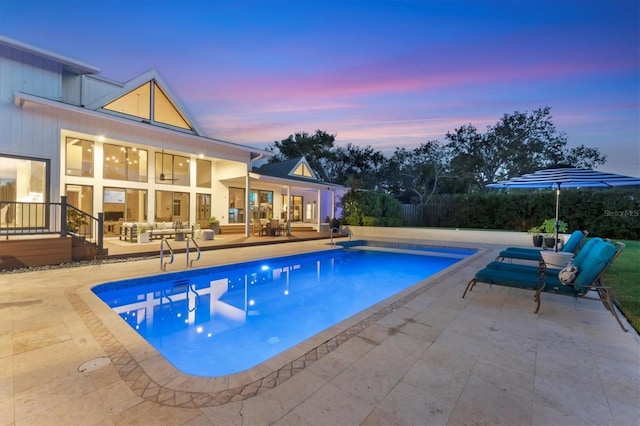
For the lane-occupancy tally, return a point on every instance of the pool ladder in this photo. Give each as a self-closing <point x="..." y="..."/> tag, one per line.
<point x="163" y="264"/>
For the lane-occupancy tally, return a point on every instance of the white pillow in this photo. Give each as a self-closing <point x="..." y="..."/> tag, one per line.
<point x="568" y="274"/>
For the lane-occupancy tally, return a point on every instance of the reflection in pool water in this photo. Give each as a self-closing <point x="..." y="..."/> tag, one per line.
<point x="223" y="320"/>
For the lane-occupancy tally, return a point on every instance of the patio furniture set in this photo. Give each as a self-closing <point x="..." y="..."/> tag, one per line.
<point x="269" y="227"/>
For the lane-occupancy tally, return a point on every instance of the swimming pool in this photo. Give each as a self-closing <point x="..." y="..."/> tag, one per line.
<point x="223" y="320"/>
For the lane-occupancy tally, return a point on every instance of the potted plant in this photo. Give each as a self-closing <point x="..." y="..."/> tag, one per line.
<point x="75" y="219"/>
<point x="144" y="236"/>
<point x="214" y="224"/>
<point x="549" y="228"/>
<point x="538" y="238"/>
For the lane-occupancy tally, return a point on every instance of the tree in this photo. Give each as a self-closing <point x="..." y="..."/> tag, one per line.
<point x="519" y="143"/>
<point x="417" y="172"/>
<point x="356" y="167"/>
<point x="316" y="149"/>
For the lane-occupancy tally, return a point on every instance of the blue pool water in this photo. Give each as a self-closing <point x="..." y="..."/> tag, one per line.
<point x="226" y="319"/>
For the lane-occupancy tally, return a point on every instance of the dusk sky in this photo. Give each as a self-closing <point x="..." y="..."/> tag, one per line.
<point x="379" y="73"/>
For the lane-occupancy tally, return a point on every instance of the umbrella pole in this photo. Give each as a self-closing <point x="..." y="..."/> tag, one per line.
<point x="557" y="215"/>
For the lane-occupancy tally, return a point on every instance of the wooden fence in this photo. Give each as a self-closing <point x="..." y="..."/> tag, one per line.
<point x="433" y="214"/>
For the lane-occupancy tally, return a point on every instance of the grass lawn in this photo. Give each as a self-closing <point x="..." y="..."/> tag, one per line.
<point x="624" y="277"/>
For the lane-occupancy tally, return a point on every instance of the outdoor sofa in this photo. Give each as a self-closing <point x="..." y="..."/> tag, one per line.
<point x="129" y="231"/>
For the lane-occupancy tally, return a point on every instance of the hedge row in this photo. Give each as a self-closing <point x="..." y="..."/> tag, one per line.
<point x="608" y="213"/>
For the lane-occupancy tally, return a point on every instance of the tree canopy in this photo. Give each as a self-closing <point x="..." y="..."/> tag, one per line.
<point x="519" y="143"/>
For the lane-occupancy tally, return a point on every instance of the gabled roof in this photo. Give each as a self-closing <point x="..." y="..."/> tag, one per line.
<point x="160" y="105"/>
<point x="295" y="168"/>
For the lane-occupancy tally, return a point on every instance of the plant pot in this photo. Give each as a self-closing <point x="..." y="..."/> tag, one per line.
<point x="550" y="242"/>
<point x="538" y="240"/>
<point x="144" y="237"/>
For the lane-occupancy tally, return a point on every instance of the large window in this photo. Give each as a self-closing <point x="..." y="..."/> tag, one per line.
<point x="172" y="169"/>
<point x="120" y="204"/>
<point x="203" y="173"/>
<point x="81" y="197"/>
<point x="23" y="180"/>
<point x="261" y="204"/>
<point x="203" y="209"/>
<point x="296" y="208"/>
<point x="79" y="157"/>
<point x="236" y="205"/>
<point x="125" y="163"/>
<point x="172" y="207"/>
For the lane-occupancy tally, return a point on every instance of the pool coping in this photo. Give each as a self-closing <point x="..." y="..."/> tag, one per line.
<point x="152" y="377"/>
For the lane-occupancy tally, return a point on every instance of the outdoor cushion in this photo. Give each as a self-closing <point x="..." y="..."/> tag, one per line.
<point x="530" y="253"/>
<point x="597" y="259"/>
<point x="523" y="280"/>
<point x="530" y="269"/>
<point x="568" y="274"/>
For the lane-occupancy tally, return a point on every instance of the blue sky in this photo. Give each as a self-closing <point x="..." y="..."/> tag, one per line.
<point x="379" y="73"/>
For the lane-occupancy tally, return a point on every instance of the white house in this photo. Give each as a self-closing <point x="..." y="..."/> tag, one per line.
<point x="132" y="151"/>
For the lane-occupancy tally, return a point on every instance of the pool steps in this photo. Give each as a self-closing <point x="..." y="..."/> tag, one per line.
<point x="409" y="251"/>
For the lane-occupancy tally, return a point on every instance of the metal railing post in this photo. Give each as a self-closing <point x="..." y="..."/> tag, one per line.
<point x="63" y="216"/>
<point x="101" y="232"/>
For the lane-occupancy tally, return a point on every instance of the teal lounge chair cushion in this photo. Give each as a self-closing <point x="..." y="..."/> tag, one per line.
<point x="573" y="242"/>
<point x="524" y="280"/>
<point x="597" y="259"/>
<point x="528" y="253"/>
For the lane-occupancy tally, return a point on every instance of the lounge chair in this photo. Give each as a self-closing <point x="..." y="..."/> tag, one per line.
<point x="528" y="253"/>
<point x="595" y="262"/>
<point x="578" y="261"/>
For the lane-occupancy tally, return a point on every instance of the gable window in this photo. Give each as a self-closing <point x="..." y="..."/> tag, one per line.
<point x="149" y="102"/>
<point x="303" y="170"/>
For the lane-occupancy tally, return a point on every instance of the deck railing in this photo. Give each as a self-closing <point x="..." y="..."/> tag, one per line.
<point x="21" y="218"/>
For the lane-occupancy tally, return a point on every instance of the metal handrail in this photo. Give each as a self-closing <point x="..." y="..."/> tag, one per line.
<point x="190" y="264"/>
<point x="163" y="265"/>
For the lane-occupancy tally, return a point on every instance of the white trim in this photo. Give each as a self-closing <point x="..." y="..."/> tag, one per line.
<point x="72" y="64"/>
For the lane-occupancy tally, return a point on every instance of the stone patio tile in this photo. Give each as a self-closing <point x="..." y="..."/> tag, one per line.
<point x="330" y="405"/>
<point x="77" y="411"/>
<point x="117" y="397"/>
<point x="411" y="406"/>
<point x="32" y="369"/>
<point x="460" y="342"/>
<point x="574" y="404"/>
<point x="43" y="398"/>
<point x="512" y="351"/>
<point x="149" y="413"/>
<point x="490" y="402"/>
<point x="444" y="383"/>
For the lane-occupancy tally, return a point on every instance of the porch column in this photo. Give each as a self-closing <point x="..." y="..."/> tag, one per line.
<point x="247" y="215"/>
<point x="319" y="209"/>
<point x="289" y="210"/>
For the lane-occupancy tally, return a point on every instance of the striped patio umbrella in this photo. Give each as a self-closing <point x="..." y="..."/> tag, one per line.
<point x="566" y="177"/>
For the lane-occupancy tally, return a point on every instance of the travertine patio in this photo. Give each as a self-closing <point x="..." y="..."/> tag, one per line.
<point x="426" y="356"/>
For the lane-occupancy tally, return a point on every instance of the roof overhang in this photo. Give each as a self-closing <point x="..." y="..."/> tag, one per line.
<point x="295" y="182"/>
<point x="194" y="141"/>
<point x="68" y="63"/>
